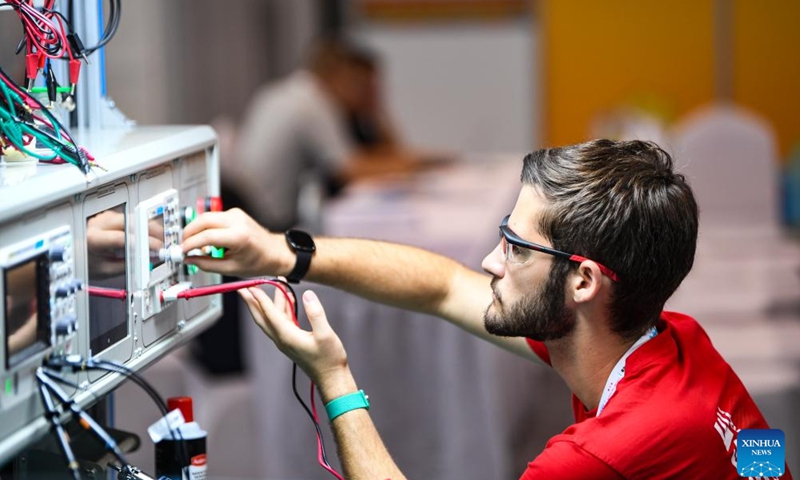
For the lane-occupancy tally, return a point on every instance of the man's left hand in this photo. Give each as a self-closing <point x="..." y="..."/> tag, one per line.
<point x="318" y="352"/>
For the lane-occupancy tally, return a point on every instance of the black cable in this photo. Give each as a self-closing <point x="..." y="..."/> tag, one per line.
<point x="182" y="452"/>
<point x="114" y="15"/>
<point x="135" y="377"/>
<point x="310" y="414"/>
<point x="294" y="378"/>
<point x="61" y="435"/>
<point x="85" y="420"/>
<point x="55" y="376"/>
<point x="109" y="366"/>
<point x="20" y="45"/>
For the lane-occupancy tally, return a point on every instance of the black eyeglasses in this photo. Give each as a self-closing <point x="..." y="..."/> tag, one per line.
<point x="519" y="251"/>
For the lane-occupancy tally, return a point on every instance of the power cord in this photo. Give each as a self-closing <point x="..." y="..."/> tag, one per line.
<point x="48" y="387"/>
<point x="114" y="16"/>
<point x="52" y="415"/>
<point x="75" y="363"/>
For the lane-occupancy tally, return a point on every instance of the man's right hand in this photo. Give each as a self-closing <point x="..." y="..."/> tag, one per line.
<point x="251" y="250"/>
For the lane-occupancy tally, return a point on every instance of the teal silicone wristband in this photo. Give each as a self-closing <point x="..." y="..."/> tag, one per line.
<point x="345" y="403"/>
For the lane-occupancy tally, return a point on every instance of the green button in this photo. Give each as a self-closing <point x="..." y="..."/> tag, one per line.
<point x="9" y="386"/>
<point x="217" y="252"/>
<point x="191" y="269"/>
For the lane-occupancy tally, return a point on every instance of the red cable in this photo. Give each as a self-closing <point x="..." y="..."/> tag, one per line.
<point x="234" y="286"/>
<point x="41" y="29"/>
<point x="25" y="96"/>
<point x="12" y="86"/>
<point x="222" y="288"/>
<point x="320" y="459"/>
<point x="64" y="42"/>
<point x="107" y="292"/>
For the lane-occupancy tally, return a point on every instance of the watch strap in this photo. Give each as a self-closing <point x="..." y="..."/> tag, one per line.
<point x="301" y="266"/>
<point x="346" y="403"/>
<point x="302" y="244"/>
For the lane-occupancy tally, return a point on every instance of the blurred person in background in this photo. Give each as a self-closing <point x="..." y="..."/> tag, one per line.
<point x="312" y="132"/>
<point x="302" y="139"/>
<point x="601" y="236"/>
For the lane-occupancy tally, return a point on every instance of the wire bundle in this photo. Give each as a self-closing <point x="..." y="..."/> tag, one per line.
<point x="41" y="32"/>
<point x="48" y="379"/>
<point x="49" y="34"/>
<point x="25" y="124"/>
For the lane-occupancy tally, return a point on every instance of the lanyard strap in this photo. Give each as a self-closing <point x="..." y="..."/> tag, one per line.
<point x="618" y="372"/>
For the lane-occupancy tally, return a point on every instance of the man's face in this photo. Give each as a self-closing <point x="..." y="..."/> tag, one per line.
<point x="528" y="299"/>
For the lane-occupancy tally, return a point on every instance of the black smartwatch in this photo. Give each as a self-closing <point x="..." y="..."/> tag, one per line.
<point x="303" y="246"/>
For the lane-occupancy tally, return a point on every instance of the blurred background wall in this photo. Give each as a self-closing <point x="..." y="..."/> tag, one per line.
<point x="670" y="57"/>
<point x="431" y="71"/>
<point x="766" y="65"/>
<point x="546" y="71"/>
<point x="200" y="60"/>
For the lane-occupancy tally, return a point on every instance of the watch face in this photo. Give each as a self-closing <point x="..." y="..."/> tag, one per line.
<point x="300" y="240"/>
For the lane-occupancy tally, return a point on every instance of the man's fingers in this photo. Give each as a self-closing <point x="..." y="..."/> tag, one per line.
<point x="256" y="311"/>
<point x="204" y="222"/>
<point x="280" y="301"/>
<point x="278" y="320"/>
<point x="315" y="312"/>
<point x="253" y="306"/>
<point x="220" y="237"/>
<point x="208" y="220"/>
<point x="210" y="264"/>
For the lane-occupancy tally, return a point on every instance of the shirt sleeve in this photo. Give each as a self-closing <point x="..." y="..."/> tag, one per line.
<point x="327" y="136"/>
<point x="567" y="461"/>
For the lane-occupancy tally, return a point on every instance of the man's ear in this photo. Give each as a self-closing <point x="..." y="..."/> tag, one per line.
<point x="585" y="282"/>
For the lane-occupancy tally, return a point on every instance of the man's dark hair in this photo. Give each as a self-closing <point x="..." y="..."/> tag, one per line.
<point x="332" y="52"/>
<point x="620" y="204"/>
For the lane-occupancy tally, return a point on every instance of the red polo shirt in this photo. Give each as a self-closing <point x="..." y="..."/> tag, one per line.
<point x="675" y="414"/>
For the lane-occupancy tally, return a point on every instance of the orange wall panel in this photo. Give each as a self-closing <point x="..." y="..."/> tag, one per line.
<point x="599" y="55"/>
<point x="766" y="64"/>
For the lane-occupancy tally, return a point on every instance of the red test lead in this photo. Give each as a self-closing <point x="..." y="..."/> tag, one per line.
<point x="184" y="290"/>
<point x="31" y="69"/>
<point x="107" y="292"/>
<point x="74" y="74"/>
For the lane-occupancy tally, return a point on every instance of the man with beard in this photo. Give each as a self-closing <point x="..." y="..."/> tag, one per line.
<point x="601" y="235"/>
